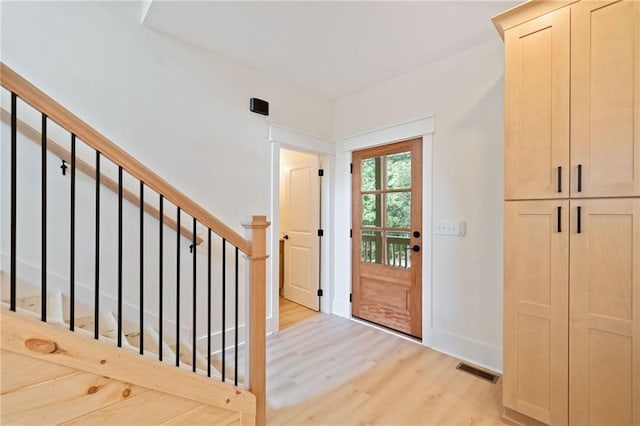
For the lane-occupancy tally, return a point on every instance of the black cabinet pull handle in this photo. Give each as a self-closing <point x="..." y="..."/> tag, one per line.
<point x="559" y="218"/>
<point x="579" y="220"/>
<point x="416" y="234"/>
<point x="579" y="177"/>
<point x="415" y="248"/>
<point x="559" y="178"/>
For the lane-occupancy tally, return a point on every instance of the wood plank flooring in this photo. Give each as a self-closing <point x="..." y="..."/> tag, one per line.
<point x="291" y="313"/>
<point x="327" y="370"/>
<point x="67" y="396"/>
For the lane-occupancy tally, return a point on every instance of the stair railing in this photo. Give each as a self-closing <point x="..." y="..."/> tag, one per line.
<point x="253" y="247"/>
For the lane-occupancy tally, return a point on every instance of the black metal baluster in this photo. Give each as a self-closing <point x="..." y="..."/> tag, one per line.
<point x="160" y="277"/>
<point x="193" y="349"/>
<point x="178" y="290"/>
<point x="43" y="247"/>
<point x="209" y="303"/>
<point x="14" y="192"/>
<point x="224" y="300"/>
<point x="119" y="256"/>
<point x="72" y="239"/>
<point x="96" y="318"/>
<point x="235" y="363"/>
<point x="141" y="267"/>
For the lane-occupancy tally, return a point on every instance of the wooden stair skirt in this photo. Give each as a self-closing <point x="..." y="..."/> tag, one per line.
<point x="50" y="375"/>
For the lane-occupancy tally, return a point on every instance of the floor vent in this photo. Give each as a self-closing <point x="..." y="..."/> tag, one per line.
<point x="489" y="377"/>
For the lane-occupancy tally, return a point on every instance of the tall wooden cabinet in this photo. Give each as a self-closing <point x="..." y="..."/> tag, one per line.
<point x="572" y="212"/>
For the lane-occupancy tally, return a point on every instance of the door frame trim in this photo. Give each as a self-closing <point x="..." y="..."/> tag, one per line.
<point x="282" y="137"/>
<point x="422" y="127"/>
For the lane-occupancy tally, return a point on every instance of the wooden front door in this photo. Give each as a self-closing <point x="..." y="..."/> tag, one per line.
<point x="387" y="236"/>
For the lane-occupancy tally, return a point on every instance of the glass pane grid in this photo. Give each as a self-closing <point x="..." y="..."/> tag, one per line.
<point x="386" y="210"/>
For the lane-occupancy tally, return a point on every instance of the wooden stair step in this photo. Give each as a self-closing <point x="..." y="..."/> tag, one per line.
<point x="33" y="304"/>
<point x="108" y="326"/>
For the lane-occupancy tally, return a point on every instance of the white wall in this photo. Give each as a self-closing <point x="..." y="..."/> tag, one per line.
<point x="465" y="92"/>
<point x="182" y="111"/>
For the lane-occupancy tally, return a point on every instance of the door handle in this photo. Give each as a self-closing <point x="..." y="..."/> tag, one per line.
<point x="559" y="178"/>
<point x="579" y="220"/>
<point x="286" y="237"/>
<point x="579" y="177"/>
<point x="559" y="218"/>
<point x="416" y="234"/>
<point x="416" y="248"/>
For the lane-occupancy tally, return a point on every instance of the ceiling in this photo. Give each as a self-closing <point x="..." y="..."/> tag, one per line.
<point x="333" y="49"/>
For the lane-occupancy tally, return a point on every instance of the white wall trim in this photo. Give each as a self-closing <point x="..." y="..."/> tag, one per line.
<point x="422" y="127"/>
<point x="300" y="141"/>
<point x="478" y="353"/>
<point x="283" y="137"/>
<point x="395" y="133"/>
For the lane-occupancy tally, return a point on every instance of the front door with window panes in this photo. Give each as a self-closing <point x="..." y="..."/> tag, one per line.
<point x="387" y="236"/>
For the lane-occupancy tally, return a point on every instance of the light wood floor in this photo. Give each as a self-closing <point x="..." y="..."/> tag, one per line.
<point x="327" y="370"/>
<point x="291" y="313"/>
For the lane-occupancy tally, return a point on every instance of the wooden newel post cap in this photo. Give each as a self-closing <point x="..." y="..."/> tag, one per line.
<point x="256" y="222"/>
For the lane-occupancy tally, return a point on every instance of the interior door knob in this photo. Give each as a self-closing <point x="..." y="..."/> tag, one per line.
<point x="286" y="237"/>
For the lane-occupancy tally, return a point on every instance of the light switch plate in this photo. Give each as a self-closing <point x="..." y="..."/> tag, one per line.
<point x="451" y="228"/>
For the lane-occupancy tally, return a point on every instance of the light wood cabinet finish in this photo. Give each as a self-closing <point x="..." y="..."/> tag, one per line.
<point x="605" y="313"/>
<point x="537" y="113"/>
<point x="582" y="366"/>
<point x="605" y="98"/>
<point x="536" y="309"/>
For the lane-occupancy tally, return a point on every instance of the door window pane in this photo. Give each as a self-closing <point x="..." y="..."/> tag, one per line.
<point x="399" y="170"/>
<point x="371" y="171"/>
<point x="398" y="210"/>
<point x="399" y="249"/>
<point x="371" y="248"/>
<point x="371" y="210"/>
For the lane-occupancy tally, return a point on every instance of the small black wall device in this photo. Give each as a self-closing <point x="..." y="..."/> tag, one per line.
<point x="259" y="106"/>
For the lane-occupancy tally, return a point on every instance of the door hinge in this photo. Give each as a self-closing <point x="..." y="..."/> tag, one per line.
<point x="320" y="233"/>
<point x="320" y="172"/>
<point x="350" y="233"/>
<point x="350" y="297"/>
<point x="319" y="292"/>
<point x="351" y="168"/>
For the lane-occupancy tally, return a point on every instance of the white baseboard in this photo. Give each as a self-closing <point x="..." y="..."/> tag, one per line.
<point x="478" y="353"/>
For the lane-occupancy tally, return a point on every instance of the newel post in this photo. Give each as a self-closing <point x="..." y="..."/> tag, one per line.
<point x="256" y="233"/>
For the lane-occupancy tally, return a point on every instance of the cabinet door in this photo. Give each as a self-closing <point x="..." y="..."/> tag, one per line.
<point x="605" y="98"/>
<point x="605" y="312"/>
<point x="536" y="309"/>
<point x="537" y="108"/>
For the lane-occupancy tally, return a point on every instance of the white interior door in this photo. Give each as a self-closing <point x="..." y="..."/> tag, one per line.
<point x="301" y="264"/>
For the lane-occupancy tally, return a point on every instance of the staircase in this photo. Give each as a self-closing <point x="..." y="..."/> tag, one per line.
<point x="108" y="329"/>
<point x="67" y="360"/>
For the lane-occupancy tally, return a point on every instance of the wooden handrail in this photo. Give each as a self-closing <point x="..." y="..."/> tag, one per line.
<point x="86" y="168"/>
<point x="30" y="94"/>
